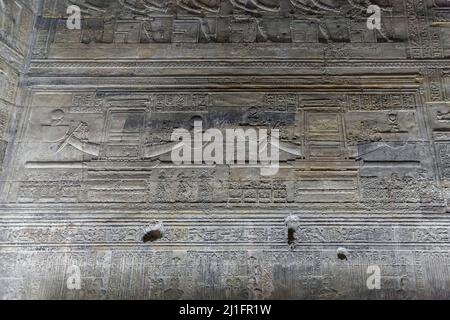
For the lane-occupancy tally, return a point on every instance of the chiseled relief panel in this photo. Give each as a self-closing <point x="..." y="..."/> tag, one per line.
<point x="410" y="28"/>
<point x="359" y="120"/>
<point x="347" y="148"/>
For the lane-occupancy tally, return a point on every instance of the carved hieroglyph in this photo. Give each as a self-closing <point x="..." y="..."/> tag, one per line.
<point x="364" y="120"/>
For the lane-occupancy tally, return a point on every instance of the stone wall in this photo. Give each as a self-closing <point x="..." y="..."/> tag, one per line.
<point x="16" y="27"/>
<point x="363" y="117"/>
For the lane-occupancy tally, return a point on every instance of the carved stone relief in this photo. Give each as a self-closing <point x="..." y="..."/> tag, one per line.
<point x="364" y="150"/>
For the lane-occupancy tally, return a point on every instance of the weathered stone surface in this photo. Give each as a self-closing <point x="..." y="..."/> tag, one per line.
<point x="16" y="26"/>
<point x="364" y="118"/>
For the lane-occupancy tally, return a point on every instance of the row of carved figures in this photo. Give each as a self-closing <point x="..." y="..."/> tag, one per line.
<point x="199" y="7"/>
<point x="312" y="9"/>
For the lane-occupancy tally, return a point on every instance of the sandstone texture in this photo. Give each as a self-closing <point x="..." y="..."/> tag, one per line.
<point x="364" y="171"/>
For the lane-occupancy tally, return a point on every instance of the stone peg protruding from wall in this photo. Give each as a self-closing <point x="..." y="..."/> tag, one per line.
<point x="342" y="253"/>
<point x="153" y="232"/>
<point x="292" y="222"/>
